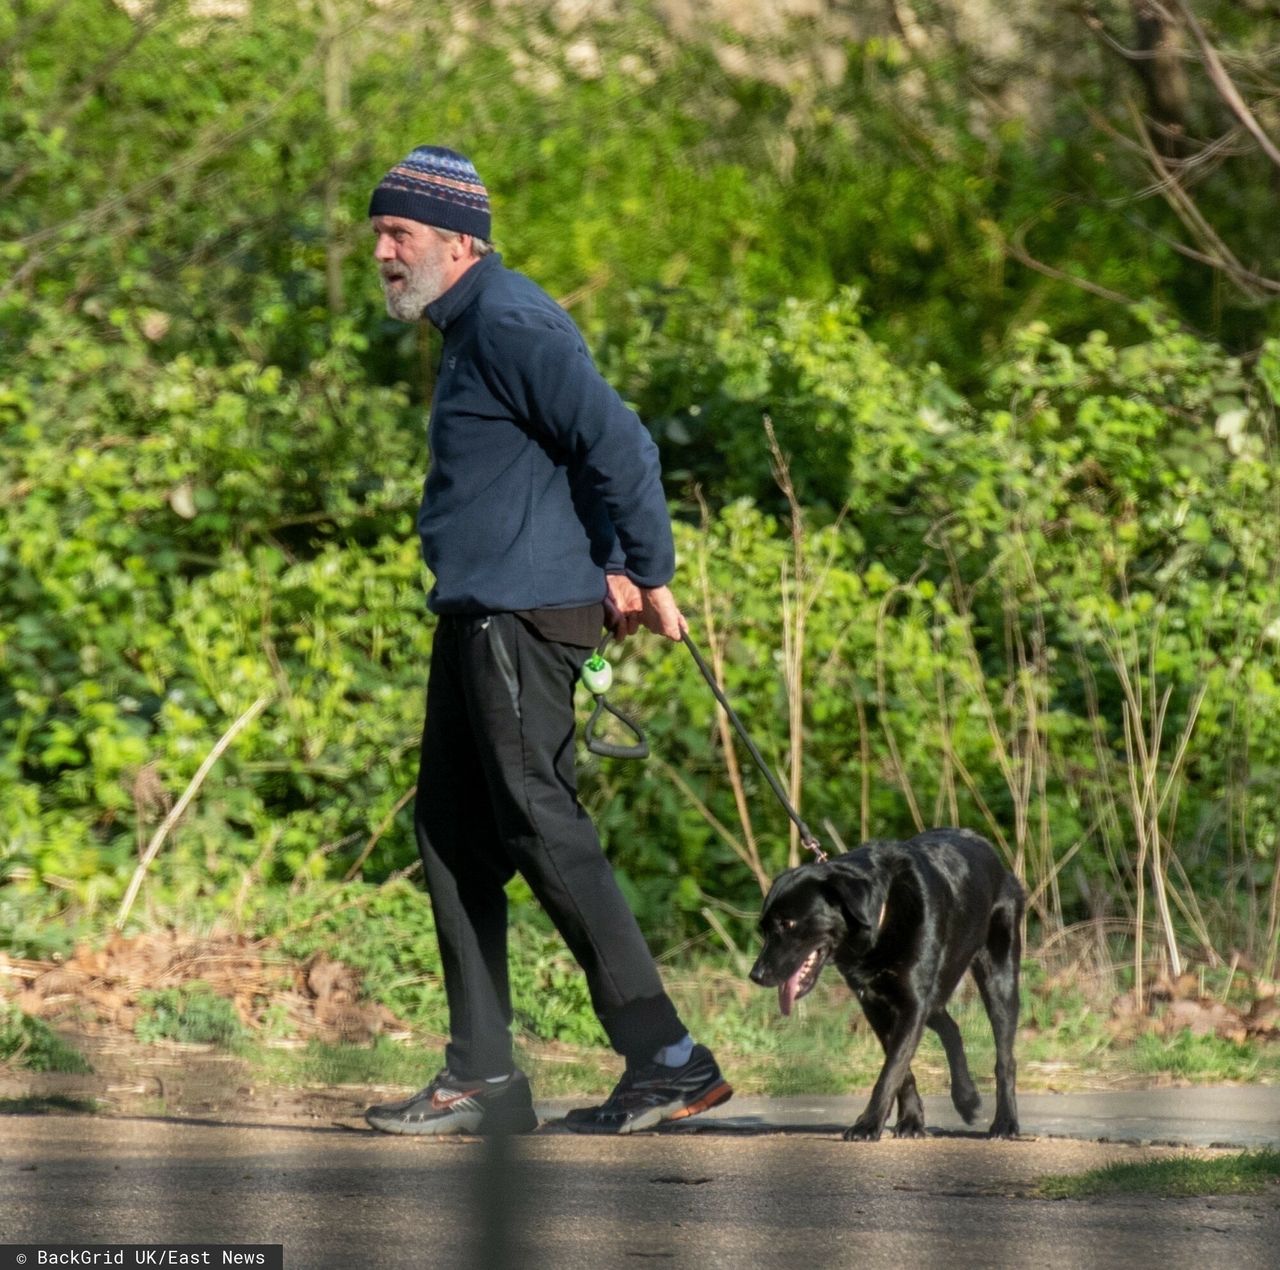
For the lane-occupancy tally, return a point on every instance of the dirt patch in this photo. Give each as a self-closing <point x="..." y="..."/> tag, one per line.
<point x="100" y="990"/>
<point x="130" y="1078"/>
<point x="1174" y="1005"/>
<point x="94" y="999"/>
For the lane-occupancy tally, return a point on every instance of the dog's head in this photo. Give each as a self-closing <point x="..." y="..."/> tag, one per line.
<point x="809" y="914"/>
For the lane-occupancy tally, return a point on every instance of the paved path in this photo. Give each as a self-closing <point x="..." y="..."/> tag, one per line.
<point x="763" y="1183"/>
<point x="1236" y="1116"/>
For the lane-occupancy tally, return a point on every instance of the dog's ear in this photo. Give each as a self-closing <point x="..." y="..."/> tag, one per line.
<point x="852" y="892"/>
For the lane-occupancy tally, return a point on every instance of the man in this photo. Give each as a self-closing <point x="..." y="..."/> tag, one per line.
<point x="542" y="519"/>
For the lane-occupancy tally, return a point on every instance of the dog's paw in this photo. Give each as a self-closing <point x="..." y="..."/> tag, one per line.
<point x="968" y="1102"/>
<point x="862" y="1131"/>
<point x="909" y="1127"/>
<point x="1003" y="1127"/>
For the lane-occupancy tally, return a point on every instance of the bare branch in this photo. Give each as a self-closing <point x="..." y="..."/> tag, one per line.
<point x="1189" y="213"/>
<point x="1226" y="86"/>
<point x="175" y="814"/>
<point x="1256" y="279"/>
<point x="401" y="803"/>
<point x="715" y="643"/>
<point x="1015" y="247"/>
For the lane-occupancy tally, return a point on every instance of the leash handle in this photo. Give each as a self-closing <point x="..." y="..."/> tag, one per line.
<point x="598" y="677"/>
<point x="609" y="749"/>
<point x="807" y="837"/>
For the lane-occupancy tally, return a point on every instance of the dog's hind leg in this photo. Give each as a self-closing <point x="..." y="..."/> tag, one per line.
<point x="996" y="970"/>
<point x="964" y="1094"/>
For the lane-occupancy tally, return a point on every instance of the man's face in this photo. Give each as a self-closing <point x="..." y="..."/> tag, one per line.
<point x="414" y="262"/>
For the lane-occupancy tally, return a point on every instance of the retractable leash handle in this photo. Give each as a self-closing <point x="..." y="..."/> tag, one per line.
<point x="597" y="675"/>
<point x="807" y="837"/>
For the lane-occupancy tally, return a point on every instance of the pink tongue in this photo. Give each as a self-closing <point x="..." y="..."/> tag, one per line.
<point x="787" y="991"/>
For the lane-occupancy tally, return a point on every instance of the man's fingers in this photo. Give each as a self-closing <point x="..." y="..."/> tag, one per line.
<point x="620" y="622"/>
<point x="614" y="620"/>
<point x="627" y="603"/>
<point x="627" y="607"/>
<point x="661" y="614"/>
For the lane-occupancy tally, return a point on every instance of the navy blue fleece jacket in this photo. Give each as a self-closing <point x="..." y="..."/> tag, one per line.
<point x="540" y="478"/>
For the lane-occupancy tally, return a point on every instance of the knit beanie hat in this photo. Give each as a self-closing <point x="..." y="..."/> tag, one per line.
<point x="438" y="187"/>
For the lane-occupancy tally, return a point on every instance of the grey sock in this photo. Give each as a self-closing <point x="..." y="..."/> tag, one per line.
<point x="676" y="1055"/>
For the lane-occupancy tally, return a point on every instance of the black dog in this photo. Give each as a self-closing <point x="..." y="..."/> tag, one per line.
<point x="902" y="922"/>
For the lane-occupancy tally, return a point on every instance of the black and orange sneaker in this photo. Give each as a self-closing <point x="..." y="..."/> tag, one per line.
<point x="451" y="1105"/>
<point x="651" y="1093"/>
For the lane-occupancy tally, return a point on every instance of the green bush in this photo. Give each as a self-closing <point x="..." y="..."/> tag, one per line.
<point x="388" y="935"/>
<point x="1036" y="530"/>
<point x="192" y="1013"/>
<point x="30" y="1043"/>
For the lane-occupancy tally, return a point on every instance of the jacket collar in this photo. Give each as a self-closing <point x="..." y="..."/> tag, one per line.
<point x="446" y="308"/>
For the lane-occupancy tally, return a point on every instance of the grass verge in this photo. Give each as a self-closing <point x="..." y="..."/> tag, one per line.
<point x="31" y="1043"/>
<point x="385" y="934"/>
<point x="382" y="1063"/>
<point x="1249" y="1173"/>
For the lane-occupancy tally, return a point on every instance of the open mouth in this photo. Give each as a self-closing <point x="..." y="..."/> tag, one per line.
<point x="801" y="983"/>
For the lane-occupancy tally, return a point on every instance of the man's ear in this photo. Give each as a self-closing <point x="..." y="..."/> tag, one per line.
<point x="852" y="892"/>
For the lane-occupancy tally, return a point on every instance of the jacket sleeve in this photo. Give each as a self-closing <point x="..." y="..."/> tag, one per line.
<point x="548" y="377"/>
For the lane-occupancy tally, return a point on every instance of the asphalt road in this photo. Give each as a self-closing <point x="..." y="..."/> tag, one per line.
<point x="762" y="1184"/>
<point x="1229" y="1116"/>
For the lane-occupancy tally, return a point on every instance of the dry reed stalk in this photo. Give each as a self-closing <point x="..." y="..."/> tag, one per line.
<point x="175" y="814"/>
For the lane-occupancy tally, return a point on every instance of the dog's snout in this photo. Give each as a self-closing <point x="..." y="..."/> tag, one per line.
<point x="758" y="974"/>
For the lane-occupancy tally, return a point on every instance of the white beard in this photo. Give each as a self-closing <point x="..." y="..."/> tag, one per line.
<point x="421" y="286"/>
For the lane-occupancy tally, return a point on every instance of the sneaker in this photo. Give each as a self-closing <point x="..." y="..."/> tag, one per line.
<point x="649" y="1094"/>
<point x="451" y="1105"/>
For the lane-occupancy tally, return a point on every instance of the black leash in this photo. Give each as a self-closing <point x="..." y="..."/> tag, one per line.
<point x="598" y="677"/>
<point x="807" y="838"/>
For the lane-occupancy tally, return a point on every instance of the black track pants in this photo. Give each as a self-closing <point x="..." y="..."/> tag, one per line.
<point x="497" y="793"/>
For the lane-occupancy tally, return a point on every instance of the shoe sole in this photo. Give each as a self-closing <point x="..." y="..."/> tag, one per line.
<point x="680" y="1111"/>
<point x="438" y="1127"/>
<point x="655" y="1116"/>
<point x="470" y="1123"/>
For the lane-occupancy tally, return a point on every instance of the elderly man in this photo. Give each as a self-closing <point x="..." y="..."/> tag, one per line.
<point x="542" y="520"/>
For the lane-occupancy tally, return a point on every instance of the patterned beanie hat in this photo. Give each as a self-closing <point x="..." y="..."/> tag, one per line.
<point x="438" y="187"/>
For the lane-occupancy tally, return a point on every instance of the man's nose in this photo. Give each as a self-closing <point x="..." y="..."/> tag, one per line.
<point x="384" y="247"/>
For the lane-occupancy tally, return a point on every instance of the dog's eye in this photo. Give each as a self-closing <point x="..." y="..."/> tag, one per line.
<point x="788" y="923"/>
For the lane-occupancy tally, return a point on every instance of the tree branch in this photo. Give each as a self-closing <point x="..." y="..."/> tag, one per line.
<point x="188" y="794"/>
<point x="1226" y="86"/>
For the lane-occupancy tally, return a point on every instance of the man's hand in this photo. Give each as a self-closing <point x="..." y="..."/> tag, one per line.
<point x="661" y="615"/>
<point x="627" y="607"/>
<point x="622" y="605"/>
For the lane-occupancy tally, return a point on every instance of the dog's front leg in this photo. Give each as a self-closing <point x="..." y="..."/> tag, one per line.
<point x="910" y="1109"/>
<point x="899" y="1046"/>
